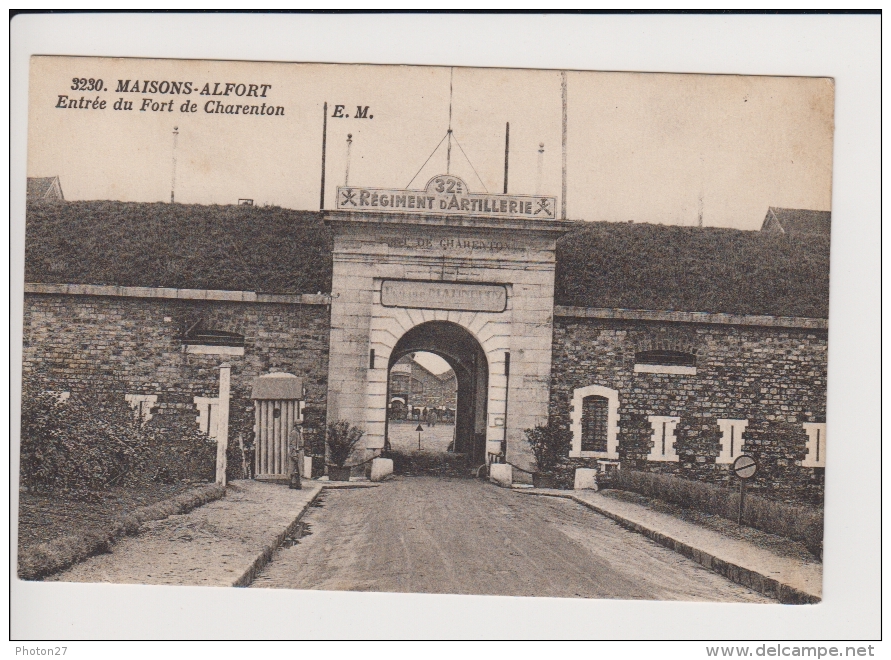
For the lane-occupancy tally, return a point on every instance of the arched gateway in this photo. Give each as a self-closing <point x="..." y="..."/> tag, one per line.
<point x="467" y="276"/>
<point x="464" y="354"/>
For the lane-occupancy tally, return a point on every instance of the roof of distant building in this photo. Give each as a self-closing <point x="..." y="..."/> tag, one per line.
<point x="407" y="363"/>
<point x="797" y="221"/>
<point x="44" y="188"/>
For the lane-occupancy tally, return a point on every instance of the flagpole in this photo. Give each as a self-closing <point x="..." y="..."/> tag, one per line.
<point x="563" y="192"/>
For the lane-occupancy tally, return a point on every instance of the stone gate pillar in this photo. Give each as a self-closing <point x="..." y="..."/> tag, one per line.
<point x="483" y="262"/>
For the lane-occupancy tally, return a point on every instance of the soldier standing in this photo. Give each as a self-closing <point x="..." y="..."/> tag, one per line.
<point x="296" y="453"/>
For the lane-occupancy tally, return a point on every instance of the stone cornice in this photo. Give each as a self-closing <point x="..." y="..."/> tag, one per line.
<point x="557" y="227"/>
<point x="178" y="294"/>
<point x="561" y="311"/>
<point x="690" y="317"/>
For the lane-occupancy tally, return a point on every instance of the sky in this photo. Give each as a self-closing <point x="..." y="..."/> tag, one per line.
<point x="640" y="147"/>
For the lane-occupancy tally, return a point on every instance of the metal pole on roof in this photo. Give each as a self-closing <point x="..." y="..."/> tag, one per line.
<point x="324" y="141"/>
<point x="506" y="153"/>
<point x="173" y="176"/>
<point x="563" y="191"/>
<point x="449" y="133"/>
<point x="538" y="175"/>
<point x="346" y="179"/>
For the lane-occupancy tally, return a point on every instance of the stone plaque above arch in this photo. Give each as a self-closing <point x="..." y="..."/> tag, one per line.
<point x="460" y="296"/>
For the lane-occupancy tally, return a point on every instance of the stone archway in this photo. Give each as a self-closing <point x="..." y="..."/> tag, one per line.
<point x="470" y="265"/>
<point x="464" y="354"/>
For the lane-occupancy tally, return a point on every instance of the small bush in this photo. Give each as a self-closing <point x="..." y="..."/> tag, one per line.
<point x="93" y="441"/>
<point x="342" y="440"/>
<point x="794" y="522"/>
<point x="176" y="450"/>
<point x="80" y="446"/>
<point x="548" y="445"/>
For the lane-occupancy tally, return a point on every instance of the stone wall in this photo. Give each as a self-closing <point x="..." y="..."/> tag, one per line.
<point x="131" y="345"/>
<point x="769" y="372"/>
<point x="773" y="376"/>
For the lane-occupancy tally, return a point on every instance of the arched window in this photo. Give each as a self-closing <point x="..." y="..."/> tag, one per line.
<point x="595" y="423"/>
<point x="678" y="358"/>
<point x="198" y="339"/>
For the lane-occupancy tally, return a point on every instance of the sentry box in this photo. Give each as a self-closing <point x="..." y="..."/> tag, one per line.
<point x="278" y="414"/>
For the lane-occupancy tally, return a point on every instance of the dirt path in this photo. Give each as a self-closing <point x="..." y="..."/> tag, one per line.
<point x="461" y="536"/>
<point x="212" y="545"/>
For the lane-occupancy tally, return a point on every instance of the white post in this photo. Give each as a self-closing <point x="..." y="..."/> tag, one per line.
<point x="223" y="423"/>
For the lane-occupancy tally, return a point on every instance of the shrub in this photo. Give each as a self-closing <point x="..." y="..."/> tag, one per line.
<point x="79" y="446"/>
<point x="548" y="445"/>
<point x="342" y="440"/>
<point x="177" y="450"/>
<point x="93" y="441"/>
<point x="798" y="523"/>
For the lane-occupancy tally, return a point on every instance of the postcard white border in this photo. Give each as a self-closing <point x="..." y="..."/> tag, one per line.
<point x="844" y="47"/>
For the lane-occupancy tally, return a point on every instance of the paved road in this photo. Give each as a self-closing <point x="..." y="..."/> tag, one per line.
<point x="461" y="536"/>
<point x="403" y="436"/>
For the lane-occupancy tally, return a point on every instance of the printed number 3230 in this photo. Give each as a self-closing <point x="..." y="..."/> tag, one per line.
<point x="86" y="84"/>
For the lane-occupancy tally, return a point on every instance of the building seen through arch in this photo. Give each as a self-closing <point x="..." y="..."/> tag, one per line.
<point x="414" y="388"/>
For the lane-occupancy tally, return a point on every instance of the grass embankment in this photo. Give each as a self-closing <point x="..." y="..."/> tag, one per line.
<point x="798" y="523"/>
<point x="645" y="266"/>
<point x="55" y="533"/>
<point x="236" y="248"/>
<point x="606" y="264"/>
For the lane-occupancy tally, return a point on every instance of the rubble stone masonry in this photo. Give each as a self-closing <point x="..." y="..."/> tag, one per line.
<point x="767" y="375"/>
<point x="130" y="344"/>
<point x="773" y="377"/>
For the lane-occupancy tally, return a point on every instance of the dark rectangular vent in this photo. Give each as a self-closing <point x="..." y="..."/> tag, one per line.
<point x="672" y="358"/>
<point x="202" y="337"/>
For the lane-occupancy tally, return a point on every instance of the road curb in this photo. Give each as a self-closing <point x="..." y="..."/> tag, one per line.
<point x="763" y="584"/>
<point x="265" y="555"/>
<point x="261" y="560"/>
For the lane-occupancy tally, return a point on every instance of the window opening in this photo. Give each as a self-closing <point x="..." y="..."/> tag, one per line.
<point x="672" y="358"/>
<point x="816" y="445"/>
<point x="595" y="423"/>
<point x="663" y="438"/>
<point x="595" y="420"/>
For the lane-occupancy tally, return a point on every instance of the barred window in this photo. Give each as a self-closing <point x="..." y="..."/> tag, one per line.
<point x="595" y="427"/>
<point x="594" y="422"/>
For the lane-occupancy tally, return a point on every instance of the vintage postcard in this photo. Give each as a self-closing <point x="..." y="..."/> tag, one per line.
<point x="441" y="330"/>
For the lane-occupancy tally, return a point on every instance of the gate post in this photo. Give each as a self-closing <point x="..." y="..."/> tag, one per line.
<point x="223" y="423"/>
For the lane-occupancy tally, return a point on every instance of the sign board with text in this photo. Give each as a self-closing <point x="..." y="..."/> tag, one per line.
<point x="445" y="195"/>
<point x="444" y="295"/>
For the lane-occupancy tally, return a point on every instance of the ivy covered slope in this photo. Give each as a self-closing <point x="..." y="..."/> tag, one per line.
<point x="275" y="250"/>
<point x="236" y="248"/>
<point x="660" y="267"/>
